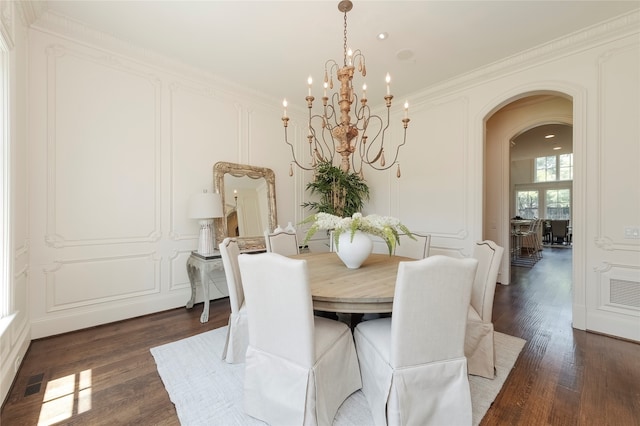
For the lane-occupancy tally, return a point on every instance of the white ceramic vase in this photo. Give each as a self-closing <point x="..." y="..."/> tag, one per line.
<point x="354" y="252"/>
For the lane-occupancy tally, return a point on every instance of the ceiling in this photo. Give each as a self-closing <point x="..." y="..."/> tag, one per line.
<point x="533" y="143"/>
<point x="273" y="46"/>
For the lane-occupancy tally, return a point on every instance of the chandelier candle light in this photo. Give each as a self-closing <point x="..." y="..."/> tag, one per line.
<point x="332" y="132"/>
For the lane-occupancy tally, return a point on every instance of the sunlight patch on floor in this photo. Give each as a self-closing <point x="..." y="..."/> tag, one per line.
<point x="65" y="397"/>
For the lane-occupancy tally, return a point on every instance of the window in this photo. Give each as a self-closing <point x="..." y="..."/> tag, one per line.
<point x="558" y="203"/>
<point x="527" y="204"/>
<point x="565" y="166"/>
<point x="554" y="167"/>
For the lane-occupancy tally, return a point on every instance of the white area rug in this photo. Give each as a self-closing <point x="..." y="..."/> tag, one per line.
<point x="208" y="391"/>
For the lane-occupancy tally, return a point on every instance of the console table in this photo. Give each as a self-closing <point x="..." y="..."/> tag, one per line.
<point x="200" y="270"/>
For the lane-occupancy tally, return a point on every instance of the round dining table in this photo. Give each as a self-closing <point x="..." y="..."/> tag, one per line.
<point x="336" y="288"/>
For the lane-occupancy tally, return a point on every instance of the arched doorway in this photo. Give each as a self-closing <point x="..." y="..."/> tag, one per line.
<point x="512" y="118"/>
<point x="517" y="111"/>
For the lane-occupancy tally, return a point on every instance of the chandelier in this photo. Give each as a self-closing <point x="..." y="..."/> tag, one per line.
<point x="358" y="139"/>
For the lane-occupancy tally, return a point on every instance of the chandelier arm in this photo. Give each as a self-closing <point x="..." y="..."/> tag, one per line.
<point x="364" y="153"/>
<point x="328" y="73"/>
<point x="395" y="157"/>
<point x="332" y="112"/>
<point x="381" y="133"/>
<point x="321" y="144"/>
<point x="335" y="98"/>
<point x="358" y="55"/>
<point x="293" y="153"/>
<point x="358" y="109"/>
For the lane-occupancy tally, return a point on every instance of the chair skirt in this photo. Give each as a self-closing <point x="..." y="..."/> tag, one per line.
<point x="313" y="394"/>
<point x="479" y="348"/>
<point x="235" y="347"/>
<point x="435" y="393"/>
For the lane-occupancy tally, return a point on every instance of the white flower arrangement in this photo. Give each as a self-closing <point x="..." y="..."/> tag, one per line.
<point x="385" y="227"/>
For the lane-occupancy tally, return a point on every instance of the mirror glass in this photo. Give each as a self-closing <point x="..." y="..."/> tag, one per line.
<point x="248" y="196"/>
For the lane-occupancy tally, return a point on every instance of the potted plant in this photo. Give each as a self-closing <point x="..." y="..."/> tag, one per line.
<point x="341" y="193"/>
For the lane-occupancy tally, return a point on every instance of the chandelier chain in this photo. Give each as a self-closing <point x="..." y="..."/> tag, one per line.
<point x="345" y="39"/>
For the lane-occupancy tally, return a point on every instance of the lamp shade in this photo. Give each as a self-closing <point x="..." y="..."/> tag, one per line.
<point x="205" y="206"/>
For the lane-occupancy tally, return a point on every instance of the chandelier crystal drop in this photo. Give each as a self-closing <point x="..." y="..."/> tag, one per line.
<point x="358" y="138"/>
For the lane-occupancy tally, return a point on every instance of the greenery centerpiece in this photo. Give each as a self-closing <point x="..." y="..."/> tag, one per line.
<point x="386" y="227"/>
<point x="341" y="193"/>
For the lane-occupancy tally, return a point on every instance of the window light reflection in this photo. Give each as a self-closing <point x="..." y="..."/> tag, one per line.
<point x="65" y="397"/>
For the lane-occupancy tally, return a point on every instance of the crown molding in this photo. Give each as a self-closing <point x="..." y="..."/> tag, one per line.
<point x="31" y="11"/>
<point x="575" y="42"/>
<point x="78" y="32"/>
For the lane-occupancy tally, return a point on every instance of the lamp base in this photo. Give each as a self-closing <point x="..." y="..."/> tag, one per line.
<point x="206" y="241"/>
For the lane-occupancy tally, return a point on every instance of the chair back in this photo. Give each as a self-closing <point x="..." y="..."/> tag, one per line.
<point x="415" y="249"/>
<point x="280" y="310"/>
<point x="283" y="242"/>
<point x="489" y="256"/>
<point x="229" y="252"/>
<point x="559" y="228"/>
<point x="430" y="310"/>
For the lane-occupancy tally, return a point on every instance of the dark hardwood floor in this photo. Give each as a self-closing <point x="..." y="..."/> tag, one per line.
<point x="106" y="374"/>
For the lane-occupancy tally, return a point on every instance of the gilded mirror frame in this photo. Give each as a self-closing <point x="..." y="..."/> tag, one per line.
<point x="222" y="168"/>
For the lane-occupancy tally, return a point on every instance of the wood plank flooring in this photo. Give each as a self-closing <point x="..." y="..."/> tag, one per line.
<point x="106" y="374"/>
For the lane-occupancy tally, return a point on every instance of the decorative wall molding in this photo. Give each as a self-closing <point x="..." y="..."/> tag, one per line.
<point x="65" y="27"/>
<point x="565" y="46"/>
<point x="23" y="272"/>
<point x="218" y="103"/>
<point x="448" y="122"/>
<point x="21" y="250"/>
<point x="611" y="83"/>
<point x="174" y="266"/>
<point x="174" y="88"/>
<point x="55" y="53"/>
<point x="87" y="294"/>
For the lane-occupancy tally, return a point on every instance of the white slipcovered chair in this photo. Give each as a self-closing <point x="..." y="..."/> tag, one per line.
<point x="238" y="332"/>
<point x="299" y="368"/>
<point x="282" y="242"/>
<point x="413" y="367"/>
<point x="415" y="249"/>
<point x="479" y="345"/>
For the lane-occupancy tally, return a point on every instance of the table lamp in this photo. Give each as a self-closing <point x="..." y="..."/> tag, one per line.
<point x="206" y="206"/>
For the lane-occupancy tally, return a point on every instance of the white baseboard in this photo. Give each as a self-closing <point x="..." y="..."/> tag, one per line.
<point x="76" y="320"/>
<point x="10" y="363"/>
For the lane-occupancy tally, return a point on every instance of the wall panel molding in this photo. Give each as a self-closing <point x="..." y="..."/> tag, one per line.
<point x="617" y="77"/>
<point x="104" y="280"/>
<point x="178" y="267"/>
<point x="447" y="122"/>
<point x="203" y="129"/>
<point x="124" y="80"/>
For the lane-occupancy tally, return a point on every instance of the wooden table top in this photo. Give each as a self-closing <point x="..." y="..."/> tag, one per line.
<point x="336" y="288"/>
